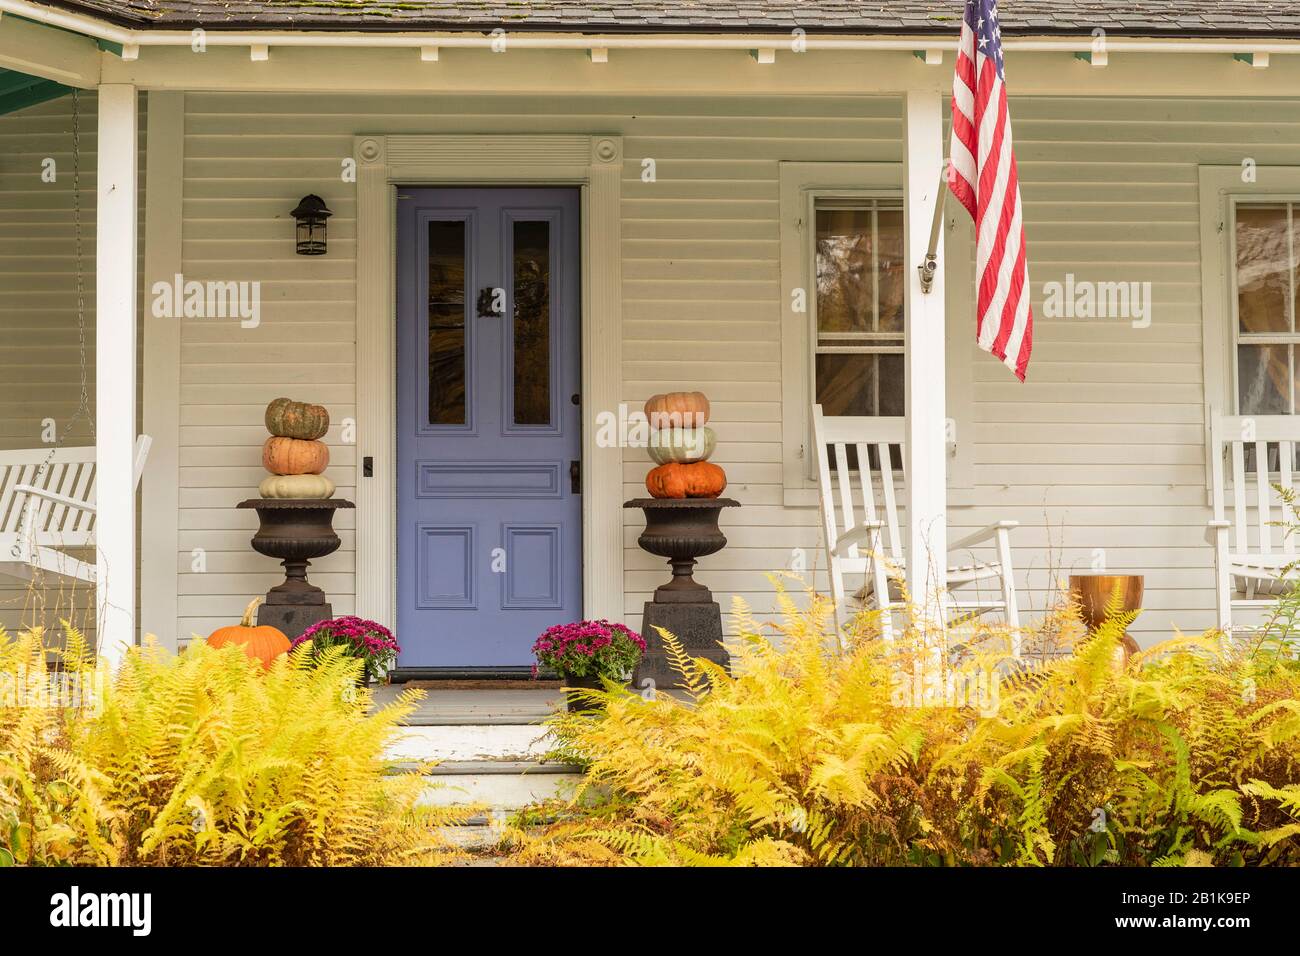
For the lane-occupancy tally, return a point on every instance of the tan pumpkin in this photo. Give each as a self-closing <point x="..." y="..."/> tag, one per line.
<point x="292" y="456"/>
<point x="296" y="486"/>
<point x="678" y="410"/>
<point x="289" y="419"/>
<point x="700" y="479"/>
<point x="681" y="444"/>
<point x="260" y="642"/>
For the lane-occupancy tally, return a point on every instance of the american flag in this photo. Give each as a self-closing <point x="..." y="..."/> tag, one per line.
<point x="983" y="178"/>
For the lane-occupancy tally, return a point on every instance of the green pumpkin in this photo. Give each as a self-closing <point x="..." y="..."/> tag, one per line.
<point x="296" y="486"/>
<point x="286" y="418"/>
<point x="681" y="445"/>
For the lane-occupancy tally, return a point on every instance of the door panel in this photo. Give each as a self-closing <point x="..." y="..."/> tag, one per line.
<point x="489" y="523"/>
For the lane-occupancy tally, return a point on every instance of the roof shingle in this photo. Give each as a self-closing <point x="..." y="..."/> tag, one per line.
<point x="1223" y="18"/>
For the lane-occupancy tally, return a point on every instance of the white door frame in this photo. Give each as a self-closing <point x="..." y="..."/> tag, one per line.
<point x="595" y="165"/>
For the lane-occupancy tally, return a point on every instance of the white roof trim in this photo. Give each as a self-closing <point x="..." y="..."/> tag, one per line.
<point x="100" y="30"/>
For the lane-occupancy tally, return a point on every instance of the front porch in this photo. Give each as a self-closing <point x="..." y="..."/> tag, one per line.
<point x="696" y="243"/>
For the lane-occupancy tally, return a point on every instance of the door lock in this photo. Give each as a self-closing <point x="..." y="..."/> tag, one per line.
<point x="575" y="477"/>
<point x="491" y="302"/>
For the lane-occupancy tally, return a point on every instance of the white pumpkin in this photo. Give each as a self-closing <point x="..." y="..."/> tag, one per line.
<point x="682" y="445"/>
<point x="296" y="486"/>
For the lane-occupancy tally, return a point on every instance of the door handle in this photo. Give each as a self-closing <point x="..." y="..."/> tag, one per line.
<point x="575" y="477"/>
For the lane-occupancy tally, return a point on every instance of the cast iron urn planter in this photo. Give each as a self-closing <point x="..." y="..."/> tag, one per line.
<point x="295" y="530"/>
<point x="681" y="530"/>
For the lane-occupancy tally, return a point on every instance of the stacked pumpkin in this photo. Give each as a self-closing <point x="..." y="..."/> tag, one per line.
<point x="294" y="454"/>
<point x="680" y="446"/>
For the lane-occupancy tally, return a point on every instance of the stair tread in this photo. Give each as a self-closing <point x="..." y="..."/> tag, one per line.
<point x="447" y="768"/>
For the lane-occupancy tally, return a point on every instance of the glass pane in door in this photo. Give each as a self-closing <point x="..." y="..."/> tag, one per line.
<point x="532" y="323"/>
<point x="446" y="305"/>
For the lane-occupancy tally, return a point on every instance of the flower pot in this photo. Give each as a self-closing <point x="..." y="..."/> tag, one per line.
<point x="588" y="682"/>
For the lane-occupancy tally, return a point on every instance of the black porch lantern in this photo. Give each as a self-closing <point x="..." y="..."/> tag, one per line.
<point x="310" y="215"/>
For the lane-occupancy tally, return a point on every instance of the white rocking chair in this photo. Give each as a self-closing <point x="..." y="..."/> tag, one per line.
<point x="47" y="504"/>
<point x="1253" y="556"/>
<point x="872" y="546"/>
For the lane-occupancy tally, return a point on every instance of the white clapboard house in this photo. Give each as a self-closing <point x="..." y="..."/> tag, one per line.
<point x="543" y="213"/>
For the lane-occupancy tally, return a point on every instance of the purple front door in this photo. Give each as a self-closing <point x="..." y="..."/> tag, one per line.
<point x="489" y="521"/>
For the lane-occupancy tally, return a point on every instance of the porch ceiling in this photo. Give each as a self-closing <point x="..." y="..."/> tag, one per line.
<point x="1171" y="18"/>
<point x="20" y="90"/>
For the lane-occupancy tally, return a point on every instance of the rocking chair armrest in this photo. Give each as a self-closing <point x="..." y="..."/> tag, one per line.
<point x="54" y="497"/>
<point x="858" y="534"/>
<point x="984" y="534"/>
<point x="1218" y="523"/>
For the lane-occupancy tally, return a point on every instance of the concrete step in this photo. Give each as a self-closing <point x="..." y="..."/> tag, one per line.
<point x="471" y="741"/>
<point x="501" y="786"/>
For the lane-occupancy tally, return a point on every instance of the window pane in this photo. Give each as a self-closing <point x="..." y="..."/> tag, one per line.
<point x="860" y="384"/>
<point x="890" y="270"/>
<point x="532" y="330"/>
<point x="1263" y="269"/>
<point x="1264" y="379"/>
<point x="845" y="284"/>
<point x="446" y="323"/>
<point x="846" y="384"/>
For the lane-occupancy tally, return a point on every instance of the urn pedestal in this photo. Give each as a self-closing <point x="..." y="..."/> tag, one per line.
<point x="681" y="530"/>
<point x="295" y="530"/>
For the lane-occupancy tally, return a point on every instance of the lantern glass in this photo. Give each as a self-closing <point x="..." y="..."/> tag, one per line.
<point x="311" y="237"/>
<point x="311" y="215"/>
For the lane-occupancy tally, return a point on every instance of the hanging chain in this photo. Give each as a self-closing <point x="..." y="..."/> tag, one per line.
<point x="83" y="406"/>
<point x="83" y="400"/>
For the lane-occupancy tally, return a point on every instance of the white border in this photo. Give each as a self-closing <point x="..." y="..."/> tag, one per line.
<point x="595" y="164"/>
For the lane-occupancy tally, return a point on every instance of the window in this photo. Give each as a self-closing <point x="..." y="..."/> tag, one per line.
<point x="858" y="306"/>
<point x="842" y="318"/>
<point x="1264" y="275"/>
<point x="1250" y="335"/>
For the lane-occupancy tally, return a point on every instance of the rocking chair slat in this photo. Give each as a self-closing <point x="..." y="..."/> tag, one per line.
<point x="1262" y="493"/>
<point x="1239" y="493"/>
<point x="1286" y="453"/>
<point x="846" y="492"/>
<point x="891" y="499"/>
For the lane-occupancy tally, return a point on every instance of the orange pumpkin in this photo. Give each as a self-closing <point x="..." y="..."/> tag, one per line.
<point x="293" y="456"/>
<point x="261" y="643"/>
<point x="700" y="479"/>
<point x="678" y="410"/>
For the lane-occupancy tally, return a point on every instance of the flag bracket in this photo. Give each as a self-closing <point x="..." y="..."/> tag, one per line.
<point x="930" y="264"/>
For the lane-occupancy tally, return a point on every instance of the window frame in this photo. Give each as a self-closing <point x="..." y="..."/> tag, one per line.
<point x="1291" y="338"/>
<point x="1221" y="188"/>
<point x="802" y="184"/>
<point x="874" y="341"/>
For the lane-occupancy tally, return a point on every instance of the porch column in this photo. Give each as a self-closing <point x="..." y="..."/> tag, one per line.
<point x="926" y="454"/>
<point x="115" y="370"/>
